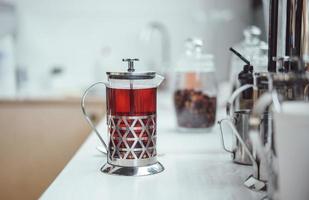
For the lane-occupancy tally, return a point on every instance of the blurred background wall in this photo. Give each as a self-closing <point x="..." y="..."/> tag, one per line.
<point x="79" y="40"/>
<point x="50" y="49"/>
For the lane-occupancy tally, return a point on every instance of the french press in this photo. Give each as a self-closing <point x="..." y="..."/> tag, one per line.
<point x="131" y="122"/>
<point x="238" y="120"/>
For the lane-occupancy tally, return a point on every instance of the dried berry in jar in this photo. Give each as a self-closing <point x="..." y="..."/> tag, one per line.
<point x="194" y="109"/>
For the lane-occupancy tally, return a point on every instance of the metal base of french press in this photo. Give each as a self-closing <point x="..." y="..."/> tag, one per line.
<point x="132" y="171"/>
<point x="255" y="184"/>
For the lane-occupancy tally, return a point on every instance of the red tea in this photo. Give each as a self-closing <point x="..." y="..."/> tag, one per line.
<point x="131" y="117"/>
<point x="131" y="102"/>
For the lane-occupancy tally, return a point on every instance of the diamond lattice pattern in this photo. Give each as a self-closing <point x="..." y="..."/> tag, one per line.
<point x="132" y="137"/>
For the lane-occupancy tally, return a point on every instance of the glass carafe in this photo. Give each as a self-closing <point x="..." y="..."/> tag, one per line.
<point x="131" y="122"/>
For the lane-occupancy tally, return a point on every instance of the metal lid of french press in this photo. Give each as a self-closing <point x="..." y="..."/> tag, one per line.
<point x="131" y="74"/>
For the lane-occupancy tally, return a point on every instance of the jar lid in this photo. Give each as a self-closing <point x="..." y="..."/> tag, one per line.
<point x="195" y="59"/>
<point x="131" y="74"/>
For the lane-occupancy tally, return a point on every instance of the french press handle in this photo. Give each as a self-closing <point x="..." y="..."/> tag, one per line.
<point x="230" y="110"/>
<point x="242" y="142"/>
<point x="229" y="120"/>
<point x="86" y="115"/>
<point x="222" y="137"/>
<point x="229" y="106"/>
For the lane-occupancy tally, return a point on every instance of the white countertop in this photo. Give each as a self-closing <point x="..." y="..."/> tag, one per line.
<point x="196" y="168"/>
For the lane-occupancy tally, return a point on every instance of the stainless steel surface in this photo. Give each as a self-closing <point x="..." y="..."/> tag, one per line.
<point x="132" y="171"/>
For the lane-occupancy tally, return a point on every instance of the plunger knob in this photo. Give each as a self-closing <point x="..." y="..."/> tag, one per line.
<point x="130" y="63"/>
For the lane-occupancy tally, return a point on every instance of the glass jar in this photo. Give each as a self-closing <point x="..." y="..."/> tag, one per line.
<point x="195" y="92"/>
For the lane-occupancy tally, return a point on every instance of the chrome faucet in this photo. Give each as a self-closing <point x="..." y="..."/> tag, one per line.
<point x="147" y="35"/>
